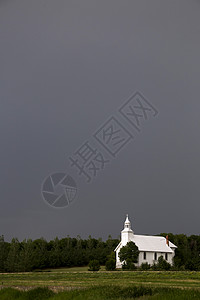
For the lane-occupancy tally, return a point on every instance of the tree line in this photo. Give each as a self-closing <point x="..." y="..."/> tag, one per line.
<point x="30" y="255"/>
<point x="187" y="255"/>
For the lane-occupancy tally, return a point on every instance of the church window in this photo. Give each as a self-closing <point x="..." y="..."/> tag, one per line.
<point x="145" y="255"/>
<point x="155" y="256"/>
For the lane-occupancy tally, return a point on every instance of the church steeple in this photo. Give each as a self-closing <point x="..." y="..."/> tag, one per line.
<point x="127" y="223"/>
<point x="127" y="233"/>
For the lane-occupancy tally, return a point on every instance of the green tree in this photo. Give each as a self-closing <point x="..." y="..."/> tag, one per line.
<point x="193" y="264"/>
<point x="26" y="256"/>
<point x="54" y="255"/>
<point x="162" y="265"/>
<point x="129" y="255"/>
<point x="94" y="265"/>
<point x="145" y="266"/>
<point x="4" y="249"/>
<point x="12" y="262"/>
<point x="111" y="262"/>
<point x="40" y="254"/>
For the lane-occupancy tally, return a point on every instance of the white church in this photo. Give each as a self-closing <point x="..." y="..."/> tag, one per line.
<point x="150" y="247"/>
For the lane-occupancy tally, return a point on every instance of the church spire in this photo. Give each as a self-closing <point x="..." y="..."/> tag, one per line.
<point x="127" y="223"/>
<point x="127" y="233"/>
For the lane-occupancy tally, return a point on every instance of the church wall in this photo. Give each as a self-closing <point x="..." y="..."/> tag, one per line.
<point x="150" y="258"/>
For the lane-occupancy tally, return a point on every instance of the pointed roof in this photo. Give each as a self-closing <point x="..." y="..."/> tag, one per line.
<point x="127" y="225"/>
<point x="127" y="222"/>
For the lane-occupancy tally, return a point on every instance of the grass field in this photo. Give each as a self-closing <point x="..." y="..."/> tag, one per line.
<point x="78" y="283"/>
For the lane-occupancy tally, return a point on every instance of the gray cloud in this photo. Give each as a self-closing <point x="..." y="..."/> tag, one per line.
<point x="66" y="67"/>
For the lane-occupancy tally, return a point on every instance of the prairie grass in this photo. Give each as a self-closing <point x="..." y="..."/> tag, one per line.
<point x="78" y="284"/>
<point x="80" y="279"/>
<point x="102" y="293"/>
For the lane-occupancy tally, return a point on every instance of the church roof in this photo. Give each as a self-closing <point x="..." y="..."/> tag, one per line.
<point x="151" y="243"/>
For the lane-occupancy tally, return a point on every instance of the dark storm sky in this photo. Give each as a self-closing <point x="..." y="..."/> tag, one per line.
<point x="65" y="68"/>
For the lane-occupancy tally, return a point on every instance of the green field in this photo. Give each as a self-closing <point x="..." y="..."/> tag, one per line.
<point x="78" y="283"/>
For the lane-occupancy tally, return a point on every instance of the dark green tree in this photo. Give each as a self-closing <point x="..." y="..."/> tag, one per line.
<point x="161" y="265"/>
<point x="54" y="254"/>
<point x="94" y="265"/>
<point x="26" y="256"/>
<point x="12" y="262"/>
<point x="4" y="250"/>
<point x="111" y="262"/>
<point x="129" y="255"/>
<point x="145" y="266"/>
<point x="40" y="254"/>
